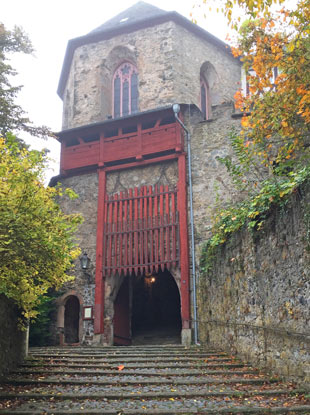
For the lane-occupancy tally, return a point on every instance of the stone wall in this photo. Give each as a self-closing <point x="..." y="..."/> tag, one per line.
<point x="86" y="186"/>
<point x="169" y="60"/>
<point x="212" y="185"/>
<point x="12" y="340"/>
<point x="255" y="300"/>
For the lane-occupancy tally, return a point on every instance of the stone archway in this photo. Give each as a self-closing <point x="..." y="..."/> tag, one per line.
<point x="69" y="318"/>
<point x="156" y="309"/>
<point x="147" y="309"/>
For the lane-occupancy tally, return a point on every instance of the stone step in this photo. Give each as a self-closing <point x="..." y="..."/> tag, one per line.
<point x="121" y="382"/>
<point x="225" y="401"/>
<point x="154" y="365"/>
<point x="126" y="372"/>
<point x="156" y="360"/>
<point x="152" y="395"/>
<point x="240" y="410"/>
<point x="121" y="349"/>
<point x="74" y="381"/>
<point x="128" y="355"/>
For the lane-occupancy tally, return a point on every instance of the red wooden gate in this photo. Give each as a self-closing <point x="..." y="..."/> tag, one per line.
<point x="141" y="231"/>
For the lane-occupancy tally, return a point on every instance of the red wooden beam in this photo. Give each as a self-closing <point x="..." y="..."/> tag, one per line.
<point x="140" y="226"/>
<point x="100" y="281"/>
<point x="126" y="229"/>
<point x="114" y="230"/>
<point x="150" y="225"/>
<point x="136" y="235"/>
<point x="161" y="215"/>
<point x="184" y="246"/>
<point x="156" y="223"/>
<point x="145" y="234"/>
<point x="174" y="230"/>
<point x="131" y="221"/>
<point x="120" y="227"/>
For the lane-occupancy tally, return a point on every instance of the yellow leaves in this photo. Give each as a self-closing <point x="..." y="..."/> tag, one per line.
<point x="245" y="122"/>
<point x="291" y="47"/>
<point x="39" y="241"/>
<point x="236" y="52"/>
<point x="253" y="214"/>
<point x="238" y="100"/>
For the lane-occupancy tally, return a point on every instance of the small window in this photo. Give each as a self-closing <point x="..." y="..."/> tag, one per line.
<point x="125" y="90"/>
<point x="204" y="98"/>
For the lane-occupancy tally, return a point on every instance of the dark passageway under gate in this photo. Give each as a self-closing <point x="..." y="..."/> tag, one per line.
<point x="148" y="310"/>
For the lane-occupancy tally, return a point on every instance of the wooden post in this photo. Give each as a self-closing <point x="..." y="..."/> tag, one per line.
<point x="184" y="246"/>
<point x="100" y="279"/>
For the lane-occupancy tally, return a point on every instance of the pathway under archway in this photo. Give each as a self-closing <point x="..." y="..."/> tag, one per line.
<point x="147" y="310"/>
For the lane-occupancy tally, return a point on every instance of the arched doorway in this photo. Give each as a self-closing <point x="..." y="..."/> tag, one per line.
<point x="156" y="310"/>
<point x="72" y="319"/>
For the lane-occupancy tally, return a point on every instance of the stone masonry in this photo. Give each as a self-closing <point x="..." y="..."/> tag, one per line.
<point x="256" y="298"/>
<point x="169" y="59"/>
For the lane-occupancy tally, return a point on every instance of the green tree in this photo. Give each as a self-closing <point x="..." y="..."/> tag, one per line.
<point x="12" y="116"/>
<point x="37" y="244"/>
<point x="36" y="239"/>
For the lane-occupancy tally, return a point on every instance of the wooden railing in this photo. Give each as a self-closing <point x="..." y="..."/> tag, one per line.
<point x="117" y="146"/>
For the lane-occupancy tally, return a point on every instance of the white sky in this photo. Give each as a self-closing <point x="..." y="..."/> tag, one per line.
<point x="50" y="24"/>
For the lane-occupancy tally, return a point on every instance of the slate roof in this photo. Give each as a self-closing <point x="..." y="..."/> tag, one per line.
<point x="138" y="16"/>
<point x="135" y="14"/>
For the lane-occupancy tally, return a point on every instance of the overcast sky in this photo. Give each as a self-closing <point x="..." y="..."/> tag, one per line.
<point x="50" y="24"/>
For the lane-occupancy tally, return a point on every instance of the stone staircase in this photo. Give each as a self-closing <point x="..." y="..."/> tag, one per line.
<point x="138" y="380"/>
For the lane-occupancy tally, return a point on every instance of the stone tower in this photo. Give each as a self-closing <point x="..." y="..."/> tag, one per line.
<point x="125" y="154"/>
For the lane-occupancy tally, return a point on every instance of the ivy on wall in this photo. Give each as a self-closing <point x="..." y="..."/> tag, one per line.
<point x="253" y="211"/>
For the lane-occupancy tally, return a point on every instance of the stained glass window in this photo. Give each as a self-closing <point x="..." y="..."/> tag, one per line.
<point x="117" y="97"/>
<point x="204" y="98"/>
<point x="125" y="90"/>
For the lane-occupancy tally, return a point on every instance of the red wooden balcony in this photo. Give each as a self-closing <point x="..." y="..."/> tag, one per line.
<point x="123" y="141"/>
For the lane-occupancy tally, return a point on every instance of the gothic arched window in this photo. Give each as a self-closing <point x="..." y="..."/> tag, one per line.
<point x="125" y="90"/>
<point x="204" y="98"/>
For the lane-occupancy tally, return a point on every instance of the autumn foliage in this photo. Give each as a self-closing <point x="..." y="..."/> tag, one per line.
<point x="275" y="51"/>
<point x="271" y="151"/>
<point x="271" y="38"/>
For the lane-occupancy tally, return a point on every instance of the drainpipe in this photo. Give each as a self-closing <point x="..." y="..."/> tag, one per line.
<point x="176" y="110"/>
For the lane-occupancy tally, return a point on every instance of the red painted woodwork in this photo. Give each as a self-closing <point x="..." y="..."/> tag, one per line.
<point x="117" y="145"/>
<point x="81" y="155"/>
<point x="184" y="255"/>
<point x="139" y="228"/>
<point x="122" y="336"/>
<point x="100" y="281"/>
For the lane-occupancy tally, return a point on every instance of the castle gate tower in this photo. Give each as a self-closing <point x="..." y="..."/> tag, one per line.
<point x="124" y="154"/>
